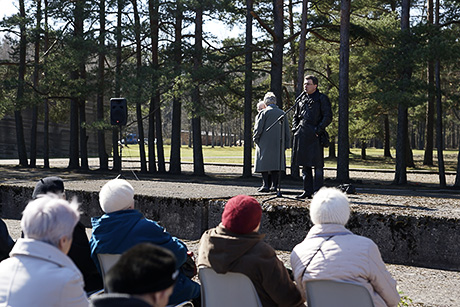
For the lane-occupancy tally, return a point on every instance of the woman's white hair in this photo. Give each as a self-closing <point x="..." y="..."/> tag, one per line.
<point x="49" y="218"/>
<point x="329" y="206"/>
<point x="269" y="98"/>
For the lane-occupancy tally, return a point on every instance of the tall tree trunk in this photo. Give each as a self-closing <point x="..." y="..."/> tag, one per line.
<point x="83" y="134"/>
<point x="198" y="161"/>
<point x="363" y="149"/>
<point x="155" y="101"/>
<point x="75" y="102"/>
<point x="428" y="157"/>
<point x="401" y="166"/>
<point x="176" y="138"/>
<point x="387" y="146"/>
<point x="409" y="155"/>
<point x="295" y="173"/>
<point x="247" y="161"/>
<point x="332" y="139"/>
<point x="154" y="29"/>
<point x="79" y="19"/>
<point x="22" y="153"/>
<point x="343" y="142"/>
<point x="103" y="156"/>
<point x="439" y="129"/>
<point x="222" y="134"/>
<point x="117" y="157"/>
<point x="401" y="141"/>
<point x="276" y="72"/>
<point x="159" y="134"/>
<point x="302" y="49"/>
<point x="74" y="162"/>
<point x="46" y="121"/>
<point x="140" y="124"/>
<point x="33" y="133"/>
<point x="292" y="45"/>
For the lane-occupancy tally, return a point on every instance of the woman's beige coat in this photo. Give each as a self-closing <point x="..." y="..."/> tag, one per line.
<point x="344" y="257"/>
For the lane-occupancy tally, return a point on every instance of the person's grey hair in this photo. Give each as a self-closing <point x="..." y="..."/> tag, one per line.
<point x="269" y="98"/>
<point x="329" y="206"/>
<point x="260" y="105"/>
<point x="49" y="218"/>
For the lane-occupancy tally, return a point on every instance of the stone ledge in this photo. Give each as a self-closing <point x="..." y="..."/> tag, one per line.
<point x="416" y="236"/>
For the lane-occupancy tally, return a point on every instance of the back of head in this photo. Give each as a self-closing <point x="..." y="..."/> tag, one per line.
<point x="145" y="268"/>
<point x="46" y="185"/>
<point x="49" y="218"/>
<point x="329" y="206"/>
<point x="269" y="98"/>
<point x="242" y="214"/>
<point x="116" y="195"/>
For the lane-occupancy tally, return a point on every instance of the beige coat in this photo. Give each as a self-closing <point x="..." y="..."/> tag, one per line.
<point x="344" y="257"/>
<point x="39" y="274"/>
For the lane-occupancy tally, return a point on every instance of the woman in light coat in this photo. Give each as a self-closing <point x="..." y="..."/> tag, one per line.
<point x="330" y="251"/>
<point x="270" y="145"/>
<point x="38" y="272"/>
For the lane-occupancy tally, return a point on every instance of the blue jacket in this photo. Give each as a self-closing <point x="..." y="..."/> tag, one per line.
<point x="118" y="231"/>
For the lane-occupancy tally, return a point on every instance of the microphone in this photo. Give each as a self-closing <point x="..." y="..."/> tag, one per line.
<point x="300" y="96"/>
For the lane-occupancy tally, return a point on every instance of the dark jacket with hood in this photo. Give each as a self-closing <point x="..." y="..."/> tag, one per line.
<point x="116" y="232"/>
<point x="248" y="254"/>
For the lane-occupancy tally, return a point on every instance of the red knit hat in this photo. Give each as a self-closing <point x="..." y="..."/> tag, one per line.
<point x="242" y="214"/>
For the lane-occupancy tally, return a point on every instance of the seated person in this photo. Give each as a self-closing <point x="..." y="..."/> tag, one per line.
<point x="39" y="273"/>
<point x="6" y="243"/>
<point x="144" y="276"/>
<point x="79" y="251"/>
<point x="236" y="246"/>
<point x="330" y="251"/>
<point x="122" y="227"/>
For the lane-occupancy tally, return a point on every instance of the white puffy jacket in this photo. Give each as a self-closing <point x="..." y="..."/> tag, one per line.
<point x="344" y="257"/>
<point x="39" y="274"/>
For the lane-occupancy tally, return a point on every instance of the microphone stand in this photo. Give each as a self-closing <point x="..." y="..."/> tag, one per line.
<point x="280" y="120"/>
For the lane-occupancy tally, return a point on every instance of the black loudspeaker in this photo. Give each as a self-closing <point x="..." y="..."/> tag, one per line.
<point x="118" y="111"/>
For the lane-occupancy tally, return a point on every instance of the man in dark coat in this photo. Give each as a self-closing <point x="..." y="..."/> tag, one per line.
<point x="312" y="115"/>
<point x="80" y="252"/>
<point x="6" y="243"/>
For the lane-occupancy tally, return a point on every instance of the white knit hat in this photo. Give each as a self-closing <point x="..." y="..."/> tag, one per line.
<point x="116" y="195"/>
<point x="329" y="206"/>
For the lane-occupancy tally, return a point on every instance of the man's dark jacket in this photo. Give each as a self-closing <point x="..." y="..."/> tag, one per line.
<point x="6" y="243"/>
<point x="312" y="115"/>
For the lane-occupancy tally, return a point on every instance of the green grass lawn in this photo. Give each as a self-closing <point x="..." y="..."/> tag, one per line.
<point x="374" y="157"/>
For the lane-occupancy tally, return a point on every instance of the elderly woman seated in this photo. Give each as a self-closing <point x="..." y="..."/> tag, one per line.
<point x="39" y="273"/>
<point x="330" y="251"/>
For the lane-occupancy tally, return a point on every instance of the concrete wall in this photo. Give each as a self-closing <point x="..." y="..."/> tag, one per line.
<point x="409" y="240"/>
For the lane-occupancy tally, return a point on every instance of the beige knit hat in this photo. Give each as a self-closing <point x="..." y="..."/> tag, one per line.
<point x="329" y="206"/>
<point x="116" y="195"/>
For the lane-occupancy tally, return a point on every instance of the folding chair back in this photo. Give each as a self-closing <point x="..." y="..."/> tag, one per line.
<point x="227" y="290"/>
<point x="106" y="261"/>
<point x="331" y="293"/>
